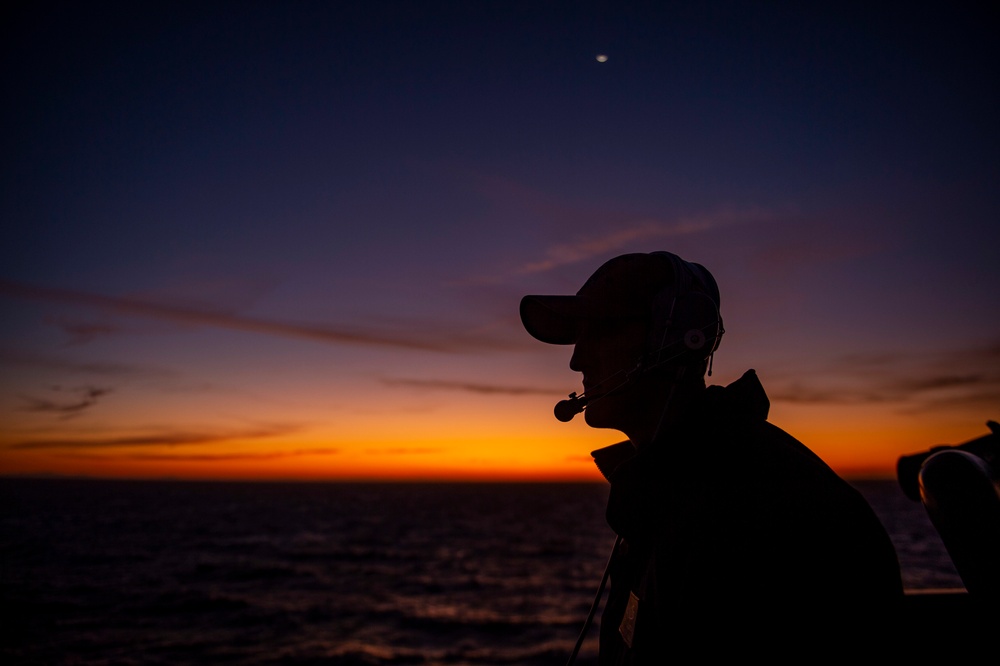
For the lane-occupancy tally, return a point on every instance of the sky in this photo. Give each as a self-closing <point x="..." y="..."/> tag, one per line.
<point x="288" y="240"/>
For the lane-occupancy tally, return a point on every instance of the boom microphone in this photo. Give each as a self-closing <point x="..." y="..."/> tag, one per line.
<point x="565" y="410"/>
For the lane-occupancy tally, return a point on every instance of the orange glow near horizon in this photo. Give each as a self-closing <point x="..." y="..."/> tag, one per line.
<point x="556" y="453"/>
<point x="371" y="435"/>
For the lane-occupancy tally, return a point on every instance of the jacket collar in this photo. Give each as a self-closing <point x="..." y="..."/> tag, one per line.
<point x="610" y="457"/>
<point x="742" y="400"/>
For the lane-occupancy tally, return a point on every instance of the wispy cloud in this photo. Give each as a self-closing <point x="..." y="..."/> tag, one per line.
<point x="596" y="229"/>
<point x="435" y="341"/>
<point x="206" y="457"/>
<point x="157" y="437"/>
<point x="469" y="387"/>
<point x="810" y="245"/>
<point x="926" y="381"/>
<point x="12" y="357"/>
<point x="406" y="451"/>
<point x="83" y="398"/>
<point x="629" y="233"/>
<point x="80" y="332"/>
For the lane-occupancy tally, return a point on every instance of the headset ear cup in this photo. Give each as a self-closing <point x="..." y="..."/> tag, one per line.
<point x="685" y="329"/>
<point x="694" y="340"/>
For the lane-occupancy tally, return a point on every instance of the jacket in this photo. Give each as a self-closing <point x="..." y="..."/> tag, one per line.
<point x="735" y="536"/>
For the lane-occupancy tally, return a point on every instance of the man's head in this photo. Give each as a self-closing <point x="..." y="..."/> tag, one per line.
<point x="640" y="321"/>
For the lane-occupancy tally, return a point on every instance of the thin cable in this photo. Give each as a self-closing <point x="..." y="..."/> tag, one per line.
<point x="593" y="607"/>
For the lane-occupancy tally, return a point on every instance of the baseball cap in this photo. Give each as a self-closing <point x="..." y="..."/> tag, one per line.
<point x="627" y="286"/>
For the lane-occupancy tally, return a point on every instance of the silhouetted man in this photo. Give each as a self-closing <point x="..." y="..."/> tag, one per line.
<point x="734" y="537"/>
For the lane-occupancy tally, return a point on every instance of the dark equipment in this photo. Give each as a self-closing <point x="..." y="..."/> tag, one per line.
<point x="960" y="488"/>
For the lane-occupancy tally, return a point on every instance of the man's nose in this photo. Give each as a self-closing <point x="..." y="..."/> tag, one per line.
<point x="574" y="361"/>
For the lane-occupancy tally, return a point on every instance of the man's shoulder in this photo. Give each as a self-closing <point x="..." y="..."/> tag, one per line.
<point x="734" y="417"/>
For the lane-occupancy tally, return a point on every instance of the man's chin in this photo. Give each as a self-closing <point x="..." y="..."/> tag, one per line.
<point x="596" y="418"/>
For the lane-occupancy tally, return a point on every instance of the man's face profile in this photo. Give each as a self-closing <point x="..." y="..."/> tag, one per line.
<point x="606" y="351"/>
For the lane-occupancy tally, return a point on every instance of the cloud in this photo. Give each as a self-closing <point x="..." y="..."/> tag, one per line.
<point x="404" y="451"/>
<point x="810" y="245"/>
<point x="914" y="381"/>
<point x="47" y="362"/>
<point x="207" y="457"/>
<point x="916" y="385"/>
<point x="88" y="396"/>
<point x="469" y="387"/>
<point x="598" y="230"/>
<point x="157" y="438"/>
<point x="617" y="240"/>
<point x="205" y="316"/>
<point x="807" y="394"/>
<point x="83" y="332"/>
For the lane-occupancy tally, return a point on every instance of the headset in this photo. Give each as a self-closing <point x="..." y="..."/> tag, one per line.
<point x="686" y="325"/>
<point x="685" y="330"/>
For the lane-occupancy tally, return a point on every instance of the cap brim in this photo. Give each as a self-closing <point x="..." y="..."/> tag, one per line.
<point x="553" y="319"/>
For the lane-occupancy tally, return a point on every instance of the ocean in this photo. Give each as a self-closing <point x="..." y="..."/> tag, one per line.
<point x="133" y="572"/>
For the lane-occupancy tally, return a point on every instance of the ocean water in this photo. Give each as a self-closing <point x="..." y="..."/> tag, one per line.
<point x="128" y="572"/>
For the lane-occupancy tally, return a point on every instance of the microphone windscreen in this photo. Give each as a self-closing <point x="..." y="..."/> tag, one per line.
<point x="565" y="410"/>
